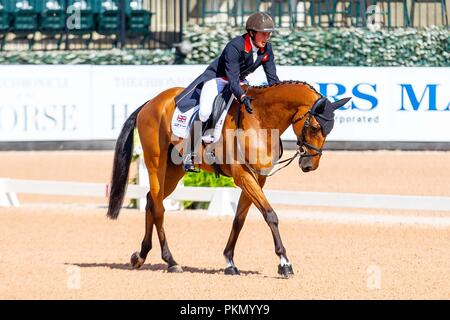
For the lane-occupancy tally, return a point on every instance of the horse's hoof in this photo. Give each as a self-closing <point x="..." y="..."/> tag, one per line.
<point x="175" y="269"/>
<point x="233" y="271"/>
<point x="136" y="260"/>
<point x="285" y="270"/>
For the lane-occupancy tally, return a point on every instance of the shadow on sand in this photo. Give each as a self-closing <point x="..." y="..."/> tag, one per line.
<point x="154" y="267"/>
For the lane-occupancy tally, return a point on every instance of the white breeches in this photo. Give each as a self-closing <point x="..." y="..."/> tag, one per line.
<point x="210" y="90"/>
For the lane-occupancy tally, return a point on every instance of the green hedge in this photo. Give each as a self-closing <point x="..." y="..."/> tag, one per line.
<point x="102" y="57"/>
<point x="204" y="179"/>
<point x="308" y="46"/>
<point x="337" y="47"/>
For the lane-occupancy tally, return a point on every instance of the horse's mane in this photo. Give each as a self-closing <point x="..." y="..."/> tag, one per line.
<point x="287" y="82"/>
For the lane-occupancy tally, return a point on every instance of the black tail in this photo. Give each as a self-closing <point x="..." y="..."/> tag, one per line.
<point x="121" y="166"/>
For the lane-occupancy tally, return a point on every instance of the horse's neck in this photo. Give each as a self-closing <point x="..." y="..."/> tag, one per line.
<point x="277" y="105"/>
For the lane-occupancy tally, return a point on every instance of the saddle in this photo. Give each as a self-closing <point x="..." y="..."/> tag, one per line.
<point x="220" y="107"/>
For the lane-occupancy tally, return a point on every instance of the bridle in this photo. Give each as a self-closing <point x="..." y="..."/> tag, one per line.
<point x="301" y="152"/>
<point x="304" y="146"/>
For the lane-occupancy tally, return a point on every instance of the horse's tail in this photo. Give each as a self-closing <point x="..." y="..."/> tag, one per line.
<point x="121" y="165"/>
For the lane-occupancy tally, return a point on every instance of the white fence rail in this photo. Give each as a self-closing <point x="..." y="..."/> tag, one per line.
<point x="223" y="201"/>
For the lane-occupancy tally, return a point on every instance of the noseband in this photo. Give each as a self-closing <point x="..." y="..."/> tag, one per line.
<point x="304" y="146"/>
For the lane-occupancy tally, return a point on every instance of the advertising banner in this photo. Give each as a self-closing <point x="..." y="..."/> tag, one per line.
<point x="59" y="103"/>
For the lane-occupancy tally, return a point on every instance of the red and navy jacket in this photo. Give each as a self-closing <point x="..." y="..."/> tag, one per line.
<point x="234" y="65"/>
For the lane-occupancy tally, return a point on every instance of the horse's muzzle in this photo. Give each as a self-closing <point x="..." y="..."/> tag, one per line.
<point x="305" y="164"/>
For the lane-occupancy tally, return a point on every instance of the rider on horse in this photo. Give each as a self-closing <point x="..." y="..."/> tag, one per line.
<point x="241" y="56"/>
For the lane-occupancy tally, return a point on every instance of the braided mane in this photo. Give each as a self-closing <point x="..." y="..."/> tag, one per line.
<point x="286" y="82"/>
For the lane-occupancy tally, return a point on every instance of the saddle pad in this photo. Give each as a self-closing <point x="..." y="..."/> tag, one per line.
<point x="181" y="120"/>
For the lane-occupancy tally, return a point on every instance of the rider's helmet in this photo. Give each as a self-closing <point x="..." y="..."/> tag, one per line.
<point x="260" y="21"/>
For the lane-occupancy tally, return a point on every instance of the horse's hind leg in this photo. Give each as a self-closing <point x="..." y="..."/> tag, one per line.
<point x="238" y="222"/>
<point x="172" y="175"/>
<point x="138" y="258"/>
<point x="157" y="169"/>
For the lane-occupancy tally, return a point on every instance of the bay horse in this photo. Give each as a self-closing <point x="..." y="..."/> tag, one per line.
<point x="274" y="107"/>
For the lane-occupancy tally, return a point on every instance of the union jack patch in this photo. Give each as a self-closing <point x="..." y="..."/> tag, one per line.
<point x="181" y="118"/>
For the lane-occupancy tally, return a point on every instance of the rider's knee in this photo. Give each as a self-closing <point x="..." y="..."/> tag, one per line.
<point x="203" y="115"/>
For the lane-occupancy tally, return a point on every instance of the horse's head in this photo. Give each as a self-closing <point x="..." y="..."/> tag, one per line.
<point x="311" y="128"/>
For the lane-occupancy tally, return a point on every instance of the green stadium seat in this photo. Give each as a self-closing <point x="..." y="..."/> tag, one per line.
<point x="81" y="18"/>
<point x="5" y="18"/>
<point x="137" y="21"/>
<point x="5" y="23"/>
<point x="25" y="15"/>
<point x="108" y="19"/>
<point x="52" y="20"/>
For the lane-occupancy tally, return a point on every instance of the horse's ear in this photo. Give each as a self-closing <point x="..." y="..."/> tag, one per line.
<point x="319" y="106"/>
<point x="337" y="104"/>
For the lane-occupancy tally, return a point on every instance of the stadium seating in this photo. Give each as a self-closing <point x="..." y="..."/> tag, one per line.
<point x="55" y="21"/>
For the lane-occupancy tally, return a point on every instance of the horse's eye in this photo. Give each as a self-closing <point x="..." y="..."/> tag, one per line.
<point x="315" y="129"/>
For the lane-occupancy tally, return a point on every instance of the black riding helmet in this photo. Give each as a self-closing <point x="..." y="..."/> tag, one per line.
<point x="260" y="21"/>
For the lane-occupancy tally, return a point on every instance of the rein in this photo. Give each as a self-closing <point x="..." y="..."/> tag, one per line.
<point x="301" y="152"/>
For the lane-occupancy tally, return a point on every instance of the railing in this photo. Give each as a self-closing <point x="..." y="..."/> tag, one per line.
<point x="89" y="24"/>
<point x="223" y="201"/>
<point x="102" y="24"/>
<point x="324" y="13"/>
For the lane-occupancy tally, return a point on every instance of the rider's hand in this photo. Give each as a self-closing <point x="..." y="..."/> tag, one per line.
<point x="247" y="101"/>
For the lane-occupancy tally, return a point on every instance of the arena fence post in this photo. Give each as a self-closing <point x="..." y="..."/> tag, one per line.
<point x="7" y="198"/>
<point x="222" y="203"/>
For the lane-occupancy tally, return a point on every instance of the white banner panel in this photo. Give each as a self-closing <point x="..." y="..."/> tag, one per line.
<point x="45" y="103"/>
<point x="119" y="90"/>
<point x="48" y="103"/>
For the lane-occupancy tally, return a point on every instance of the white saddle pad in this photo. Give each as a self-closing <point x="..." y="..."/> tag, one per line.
<point x="181" y="120"/>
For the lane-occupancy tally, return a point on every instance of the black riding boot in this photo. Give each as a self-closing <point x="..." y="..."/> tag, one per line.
<point x="190" y="157"/>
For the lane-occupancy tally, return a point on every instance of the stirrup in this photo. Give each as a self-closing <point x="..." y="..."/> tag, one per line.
<point x="189" y="164"/>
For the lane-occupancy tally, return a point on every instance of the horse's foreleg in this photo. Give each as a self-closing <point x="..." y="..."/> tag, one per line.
<point x="239" y="219"/>
<point x="253" y="191"/>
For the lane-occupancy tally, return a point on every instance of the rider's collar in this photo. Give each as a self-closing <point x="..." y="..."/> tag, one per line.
<point x="248" y="43"/>
<point x="250" y="46"/>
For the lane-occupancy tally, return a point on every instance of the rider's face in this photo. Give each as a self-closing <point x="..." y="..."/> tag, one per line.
<point x="261" y="38"/>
